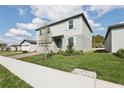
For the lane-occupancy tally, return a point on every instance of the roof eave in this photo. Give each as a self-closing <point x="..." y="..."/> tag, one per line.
<point x="68" y="19"/>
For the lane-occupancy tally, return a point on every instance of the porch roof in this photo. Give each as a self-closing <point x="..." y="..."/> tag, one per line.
<point x="57" y="36"/>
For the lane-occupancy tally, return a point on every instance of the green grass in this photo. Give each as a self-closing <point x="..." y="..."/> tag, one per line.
<point x="107" y="66"/>
<point x="9" y="80"/>
<point x="7" y="53"/>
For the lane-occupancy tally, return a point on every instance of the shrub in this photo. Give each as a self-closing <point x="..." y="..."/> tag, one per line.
<point x="25" y="51"/>
<point x="71" y="53"/>
<point x="120" y="53"/>
<point x="60" y="52"/>
<point x="79" y="52"/>
<point x="51" y="53"/>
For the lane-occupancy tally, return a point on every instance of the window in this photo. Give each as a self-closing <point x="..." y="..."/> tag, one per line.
<point x="70" y="24"/>
<point x="48" y="30"/>
<point x="25" y="45"/>
<point x="40" y="32"/>
<point x="71" y="40"/>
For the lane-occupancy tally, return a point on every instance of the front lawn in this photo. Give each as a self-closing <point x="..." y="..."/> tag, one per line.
<point x="9" y="80"/>
<point x="8" y="53"/>
<point x="107" y="66"/>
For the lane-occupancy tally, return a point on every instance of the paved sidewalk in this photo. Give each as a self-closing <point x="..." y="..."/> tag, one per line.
<point x="44" y="77"/>
<point x="106" y="84"/>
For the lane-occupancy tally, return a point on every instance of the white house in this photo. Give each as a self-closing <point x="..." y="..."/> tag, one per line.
<point x="75" y="27"/>
<point x="15" y="48"/>
<point x="114" y="38"/>
<point x="29" y="45"/>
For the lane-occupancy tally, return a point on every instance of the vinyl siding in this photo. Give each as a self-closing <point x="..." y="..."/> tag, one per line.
<point x="108" y="43"/>
<point x="117" y="39"/>
<point x="81" y="32"/>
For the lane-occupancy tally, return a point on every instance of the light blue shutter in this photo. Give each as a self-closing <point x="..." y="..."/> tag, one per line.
<point x="75" y="40"/>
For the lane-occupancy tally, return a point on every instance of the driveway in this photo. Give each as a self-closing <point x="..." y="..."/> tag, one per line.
<point x="44" y="77"/>
<point x="25" y="55"/>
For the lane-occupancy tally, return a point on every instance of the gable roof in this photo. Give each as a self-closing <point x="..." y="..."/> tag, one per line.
<point x="81" y="14"/>
<point x="29" y="41"/>
<point x="113" y="26"/>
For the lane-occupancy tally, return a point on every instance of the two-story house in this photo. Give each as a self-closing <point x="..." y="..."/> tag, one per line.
<point x="75" y="27"/>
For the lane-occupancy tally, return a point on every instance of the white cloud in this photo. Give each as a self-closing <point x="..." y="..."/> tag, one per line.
<point x="26" y="26"/>
<point x="55" y="12"/>
<point x="121" y="22"/>
<point x="2" y="40"/>
<point x="17" y="34"/>
<point x="103" y="9"/>
<point x="21" y="12"/>
<point x="59" y="12"/>
<point x="95" y="26"/>
<point x="20" y="32"/>
<point x="36" y="23"/>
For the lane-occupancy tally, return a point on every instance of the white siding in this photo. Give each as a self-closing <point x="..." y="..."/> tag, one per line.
<point x="26" y="46"/>
<point x="87" y="41"/>
<point x="117" y="39"/>
<point x="66" y="42"/>
<point x="62" y="28"/>
<point x="75" y="41"/>
<point x="33" y="47"/>
<point x="13" y="48"/>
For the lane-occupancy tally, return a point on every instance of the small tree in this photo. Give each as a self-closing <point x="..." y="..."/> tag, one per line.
<point x="3" y="46"/>
<point x="45" y="40"/>
<point x="70" y="44"/>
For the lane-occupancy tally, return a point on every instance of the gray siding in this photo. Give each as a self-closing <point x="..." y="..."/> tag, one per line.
<point x="117" y="38"/>
<point x="108" y="42"/>
<point x="87" y="36"/>
<point x="80" y="31"/>
<point x="82" y="42"/>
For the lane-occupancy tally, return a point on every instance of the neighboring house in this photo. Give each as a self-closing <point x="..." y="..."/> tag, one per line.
<point x="114" y="38"/>
<point x="76" y="27"/>
<point x="15" y="48"/>
<point x="29" y="45"/>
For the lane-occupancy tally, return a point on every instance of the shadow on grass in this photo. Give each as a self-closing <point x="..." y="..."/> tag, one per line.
<point x="101" y="51"/>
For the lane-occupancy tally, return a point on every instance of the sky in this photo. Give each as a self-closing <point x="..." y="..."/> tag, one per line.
<point x="19" y="22"/>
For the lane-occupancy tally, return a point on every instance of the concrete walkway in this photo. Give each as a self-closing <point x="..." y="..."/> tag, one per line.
<point x="40" y="76"/>
<point x="106" y="84"/>
<point x="44" y="77"/>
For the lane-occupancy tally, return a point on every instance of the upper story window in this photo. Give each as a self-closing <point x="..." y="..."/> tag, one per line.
<point x="48" y="30"/>
<point x="70" y="24"/>
<point x="40" y="32"/>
